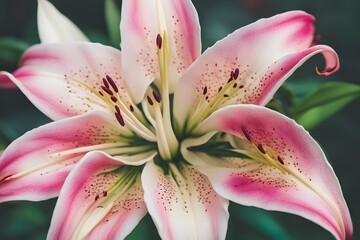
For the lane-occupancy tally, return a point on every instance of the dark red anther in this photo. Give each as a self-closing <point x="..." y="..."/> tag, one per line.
<point x="232" y="75"/>
<point x="235" y="85"/>
<point x="112" y="83"/>
<point x="261" y="148"/>
<point x="226" y="95"/>
<point x="97" y="197"/>
<point x="230" y="79"/>
<point x="107" y="90"/>
<point x="104" y="193"/>
<point x="205" y="90"/>
<point x="120" y="119"/>
<point x="131" y="108"/>
<point x="117" y="109"/>
<point x="220" y="88"/>
<point x="157" y="97"/>
<point x="150" y="101"/>
<point x="280" y="160"/>
<point x="114" y="99"/>
<point x="106" y="84"/>
<point x="236" y="73"/>
<point x="246" y="134"/>
<point x="101" y="93"/>
<point x="158" y="41"/>
<point x="4" y="178"/>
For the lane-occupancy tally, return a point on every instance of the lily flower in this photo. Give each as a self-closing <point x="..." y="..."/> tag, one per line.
<point x="159" y="128"/>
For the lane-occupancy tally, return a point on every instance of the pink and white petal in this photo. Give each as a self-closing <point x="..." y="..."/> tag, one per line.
<point x="302" y="183"/>
<point x="63" y="80"/>
<point x="55" y="27"/>
<point x="183" y="204"/>
<point x="34" y="166"/>
<point x="97" y="202"/>
<point x="141" y="22"/>
<point x="263" y="54"/>
<point x="5" y="82"/>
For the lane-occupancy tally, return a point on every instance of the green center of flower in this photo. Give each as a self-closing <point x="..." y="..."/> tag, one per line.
<point x="150" y="120"/>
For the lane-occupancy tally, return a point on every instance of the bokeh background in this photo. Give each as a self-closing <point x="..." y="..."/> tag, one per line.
<point x="338" y="23"/>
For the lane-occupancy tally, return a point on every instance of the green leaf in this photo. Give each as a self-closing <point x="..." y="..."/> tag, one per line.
<point x="112" y="17"/>
<point x="11" y="49"/>
<point x="324" y="102"/>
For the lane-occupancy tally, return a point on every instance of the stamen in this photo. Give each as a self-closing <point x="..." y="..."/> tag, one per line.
<point x="132" y="108"/>
<point x="107" y="90"/>
<point x="117" y="109"/>
<point x="120" y="119"/>
<point x="158" y="41"/>
<point x="106" y="84"/>
<point x="205" y="90"/>
<point x="4" y="178"/>
<point x="261" y="149"/>
<point x="246" y="134"/>
<point x="150" y="101"/>
<point x="280" y="160"/>
<point x="236" y="73"/>
<point x="112" y="83"/>
<point x="114" y="99"/>
<point x="157" y="97"/>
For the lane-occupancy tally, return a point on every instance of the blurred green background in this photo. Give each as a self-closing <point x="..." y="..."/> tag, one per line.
<point x="338" y="23"/>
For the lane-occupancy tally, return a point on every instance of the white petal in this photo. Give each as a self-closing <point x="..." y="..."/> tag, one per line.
<point x="55" y="27"/>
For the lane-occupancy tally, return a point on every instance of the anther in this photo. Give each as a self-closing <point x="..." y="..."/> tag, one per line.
<point x="261" y="148"/>
<point x="114" y="99"/>
<point x="246" y="134"/>
<point x="107" y="90"/>
<point x="280" y="160"/>
<point x="117" y="109"/>
<point x="119" y="118"/>
<point x="158" y="41"/>
<point x="205" y="90"/>
<point x="157" y="97"/>
<point x="112" y="83"/>
<point x="150" y="101"/>
<point x="106" y="84"/>
<point x="236" y="73"/>
<point x="4" y="178"/>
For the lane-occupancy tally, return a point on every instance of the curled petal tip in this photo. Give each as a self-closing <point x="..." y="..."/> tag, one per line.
<point x="327" y="71"/>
